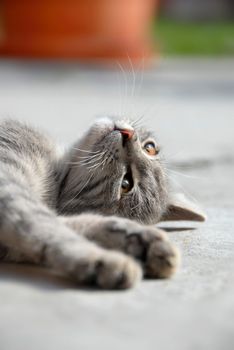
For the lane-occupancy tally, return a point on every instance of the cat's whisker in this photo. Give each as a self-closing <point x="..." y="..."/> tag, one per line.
<point x="96" y="166"/>
<point x="137" y="126"/>
<point x="142" y="68"/>
<point x="135" y="73"/>
<point x="120" y="95"/>
<point x="72" y="163"/>
<point x="173" y="166"/>
<point x="125" y="83"/>
<point x="171" y="156"/>
<point x="181" y="166"/>
<point x="185" y="175"/>
<point x="104" y="162"/>
<point x="91" y="162"/>
<point x="137" y="122"/>
<point x="136" y="206"/>
<point x="93" y="167"/>
<point x="101" y="163"/>
<point x="90" y="159"/>
<point x="183" y="189"/>
<point x="84" y="150"/>
<point x="87" y="159"/>
<point x="133" y="76"/>
<point x="90" y="156"/>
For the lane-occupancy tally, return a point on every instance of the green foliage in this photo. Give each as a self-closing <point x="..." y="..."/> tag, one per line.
<point x="204" y="39"/>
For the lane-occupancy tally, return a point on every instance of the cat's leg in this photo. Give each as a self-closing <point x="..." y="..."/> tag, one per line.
<point x="148" y="244"/>
<point x="29" y="231"/>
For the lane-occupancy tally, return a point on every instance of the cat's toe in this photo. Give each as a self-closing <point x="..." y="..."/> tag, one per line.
<point x="162" y="259"/>
<point x="152" y="247"/>
<point x="117" y="271"/>
<point x="107" y="270"/>
<point x="90" y="265"/>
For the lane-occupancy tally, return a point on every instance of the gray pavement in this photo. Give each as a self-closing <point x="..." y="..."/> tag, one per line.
<point x="190" y="104"/>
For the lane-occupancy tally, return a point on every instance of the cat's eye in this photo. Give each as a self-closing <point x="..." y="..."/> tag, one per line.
<point x="151" y="149"/>
<point x="125" y="186"/>
<point x="127" y="183"/>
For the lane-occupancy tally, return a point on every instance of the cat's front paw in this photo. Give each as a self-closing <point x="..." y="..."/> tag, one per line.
<point x="159" y="257"/>
<point x="162" y="257"/>
<point x="117" y="271"/>
<point x="91" y="265"/>
<point x="147" y="244"/>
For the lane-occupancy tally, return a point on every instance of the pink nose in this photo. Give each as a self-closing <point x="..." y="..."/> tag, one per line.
<point x="127" y="133"/>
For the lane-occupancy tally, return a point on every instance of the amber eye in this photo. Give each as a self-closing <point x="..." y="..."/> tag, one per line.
<point x="125" y="186"/>
<point x="127" y="182"/>
<point x="151" y="149"/>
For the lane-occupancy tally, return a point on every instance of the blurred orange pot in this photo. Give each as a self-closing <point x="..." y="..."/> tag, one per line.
<point x="86" y="29"/>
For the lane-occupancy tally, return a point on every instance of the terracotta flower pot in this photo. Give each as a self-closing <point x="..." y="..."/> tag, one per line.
<point x="85" y="29"/>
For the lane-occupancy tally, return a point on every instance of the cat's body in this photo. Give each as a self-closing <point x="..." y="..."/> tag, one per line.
<point x="110" y="171"/>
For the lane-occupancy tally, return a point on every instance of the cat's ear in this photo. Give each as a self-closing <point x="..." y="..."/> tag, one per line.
<point x="180" y="208"/>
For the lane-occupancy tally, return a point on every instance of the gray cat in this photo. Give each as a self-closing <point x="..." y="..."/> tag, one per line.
<point x="88" y="213"/>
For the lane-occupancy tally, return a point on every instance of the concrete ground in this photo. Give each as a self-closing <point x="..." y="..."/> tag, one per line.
<point x="190" y="104"/>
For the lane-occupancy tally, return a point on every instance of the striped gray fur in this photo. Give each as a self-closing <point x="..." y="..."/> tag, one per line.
<point x="67" y="212"/>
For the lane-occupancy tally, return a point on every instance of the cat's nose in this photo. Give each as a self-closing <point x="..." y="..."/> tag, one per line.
<point x="126" y="133"/>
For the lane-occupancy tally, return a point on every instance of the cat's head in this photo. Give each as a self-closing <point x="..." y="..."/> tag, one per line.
<point x="116" y="169"/>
